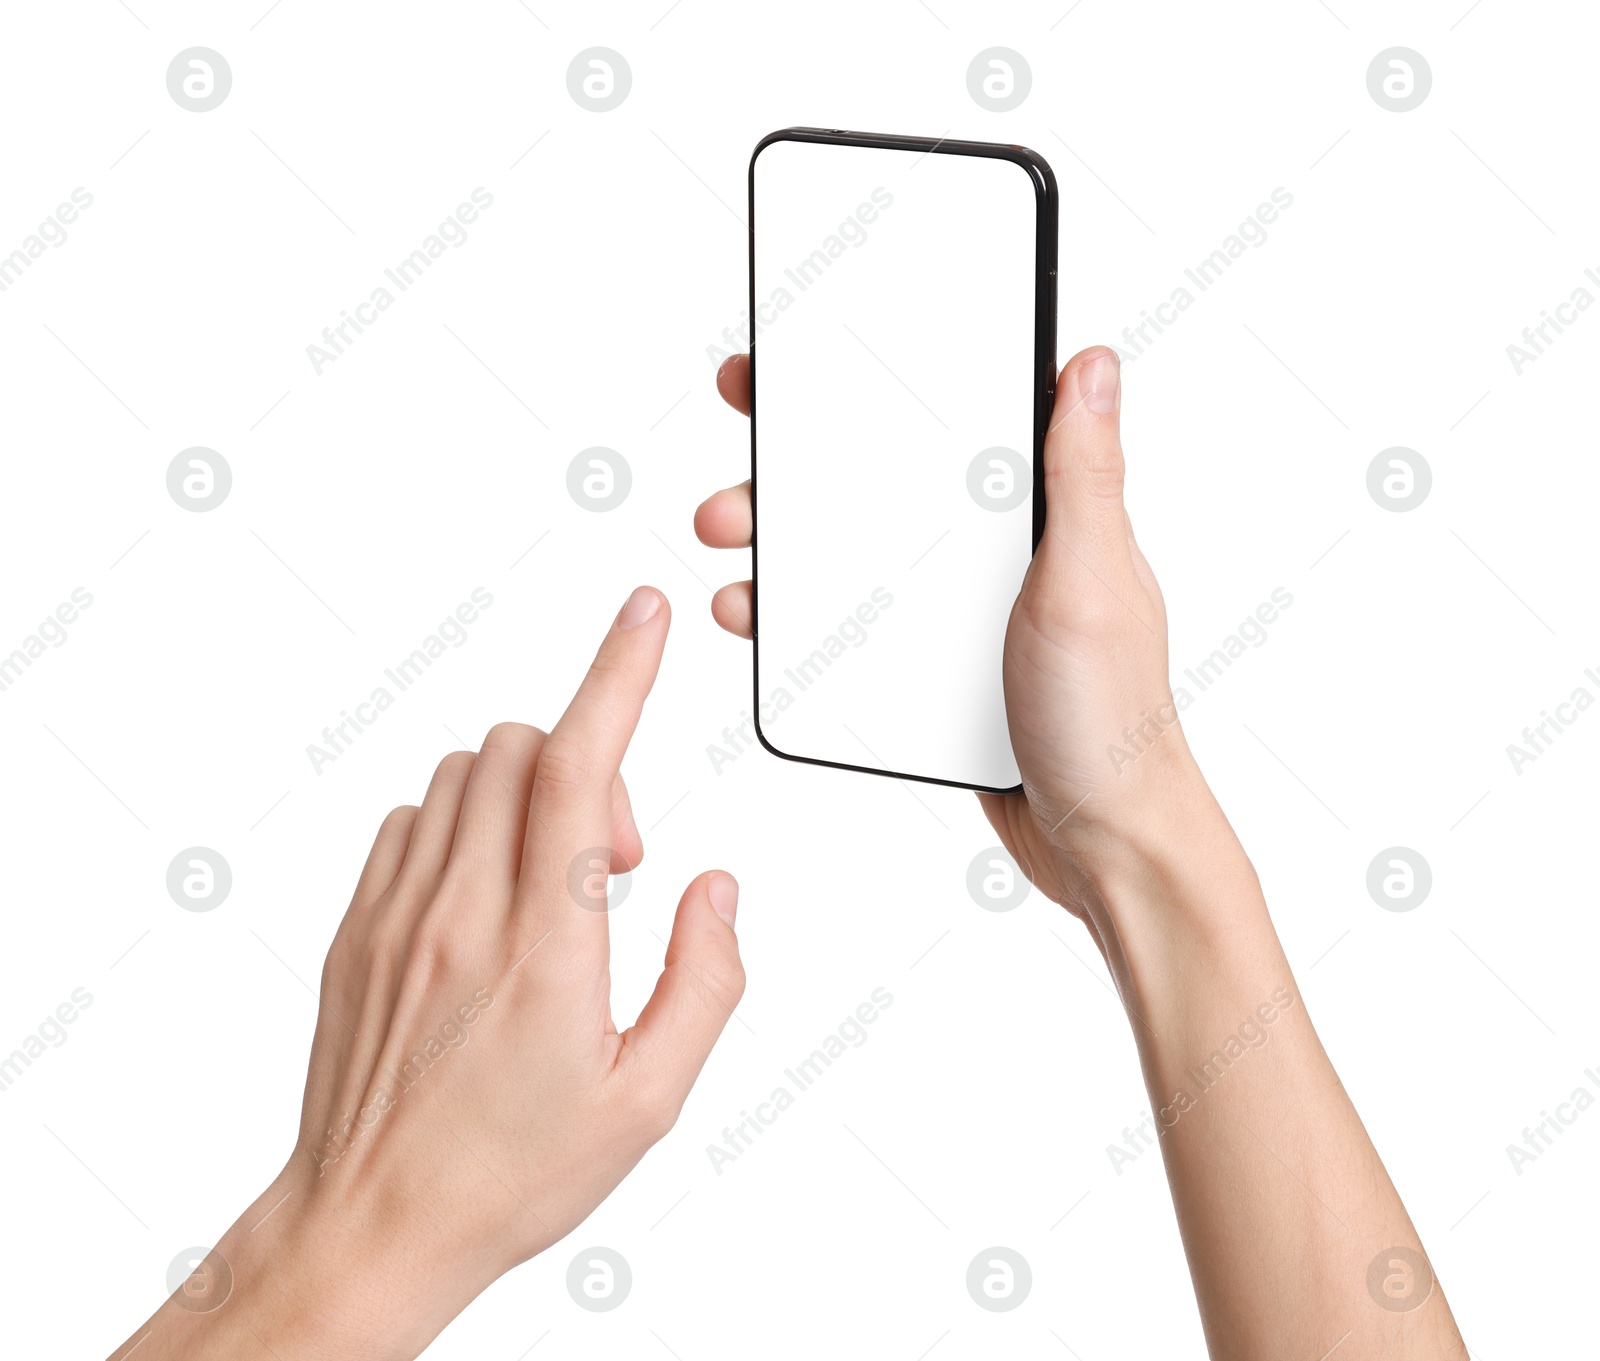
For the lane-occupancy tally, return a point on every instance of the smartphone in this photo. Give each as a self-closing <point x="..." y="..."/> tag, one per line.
<point x="902" y="315"/>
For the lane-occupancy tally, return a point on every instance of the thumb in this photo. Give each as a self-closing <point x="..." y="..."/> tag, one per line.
<point x="1083" y="470"/>
<point x="698" y="989"/>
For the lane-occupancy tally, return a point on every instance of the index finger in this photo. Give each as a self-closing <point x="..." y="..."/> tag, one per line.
<point x="578" y="763"/>
<point x="580" y="758"/>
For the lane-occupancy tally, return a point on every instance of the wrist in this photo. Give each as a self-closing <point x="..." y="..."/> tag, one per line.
<point x="305" y="1278"/>
<point x="1170" y="888"/>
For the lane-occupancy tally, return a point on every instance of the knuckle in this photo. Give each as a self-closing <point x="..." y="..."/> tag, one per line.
<point x="357" y="962"/>
<point x="1069" y="601"/>
<point x="563" y="765"/>
<point x="735" y="982"/>
<point x="436" y="950"/>
<point x="660" y="1121"/>
<point x="455" y="766"/>
<point x="604" y="667"/>
<point x="434" y="944"/>
<point x="655" y="1109"/>
<point x="397" y="822"/>
<point x="512" y="737"/>
<point x="336" y="966"/>
<point x="1102" y="469"/>
<point x="724" y="976"/>
<point x="1108" y="475"/>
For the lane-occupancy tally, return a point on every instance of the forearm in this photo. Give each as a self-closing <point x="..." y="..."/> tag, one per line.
<point x="1283" y="1203"/>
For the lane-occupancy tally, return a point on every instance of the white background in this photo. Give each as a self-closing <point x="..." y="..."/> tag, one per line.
<point x="370" y="500"/>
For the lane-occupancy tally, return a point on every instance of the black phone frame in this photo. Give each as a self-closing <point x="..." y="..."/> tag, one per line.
<point x="1044" y="342"/>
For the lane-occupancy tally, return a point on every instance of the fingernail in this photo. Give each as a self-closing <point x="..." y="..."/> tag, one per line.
<point x="642" y="605"/>
<point x="723" y="890"/>
<point x="1099" y="381"/>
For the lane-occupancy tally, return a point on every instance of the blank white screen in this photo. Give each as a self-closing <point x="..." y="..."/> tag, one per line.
<point x="895" y="294"/>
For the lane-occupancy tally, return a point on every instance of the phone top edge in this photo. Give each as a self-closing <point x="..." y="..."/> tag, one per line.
<point x="1026" y="157"/>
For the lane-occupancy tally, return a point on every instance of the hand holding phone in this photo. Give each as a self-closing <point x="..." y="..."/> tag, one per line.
<point x="1089" y="707"/>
